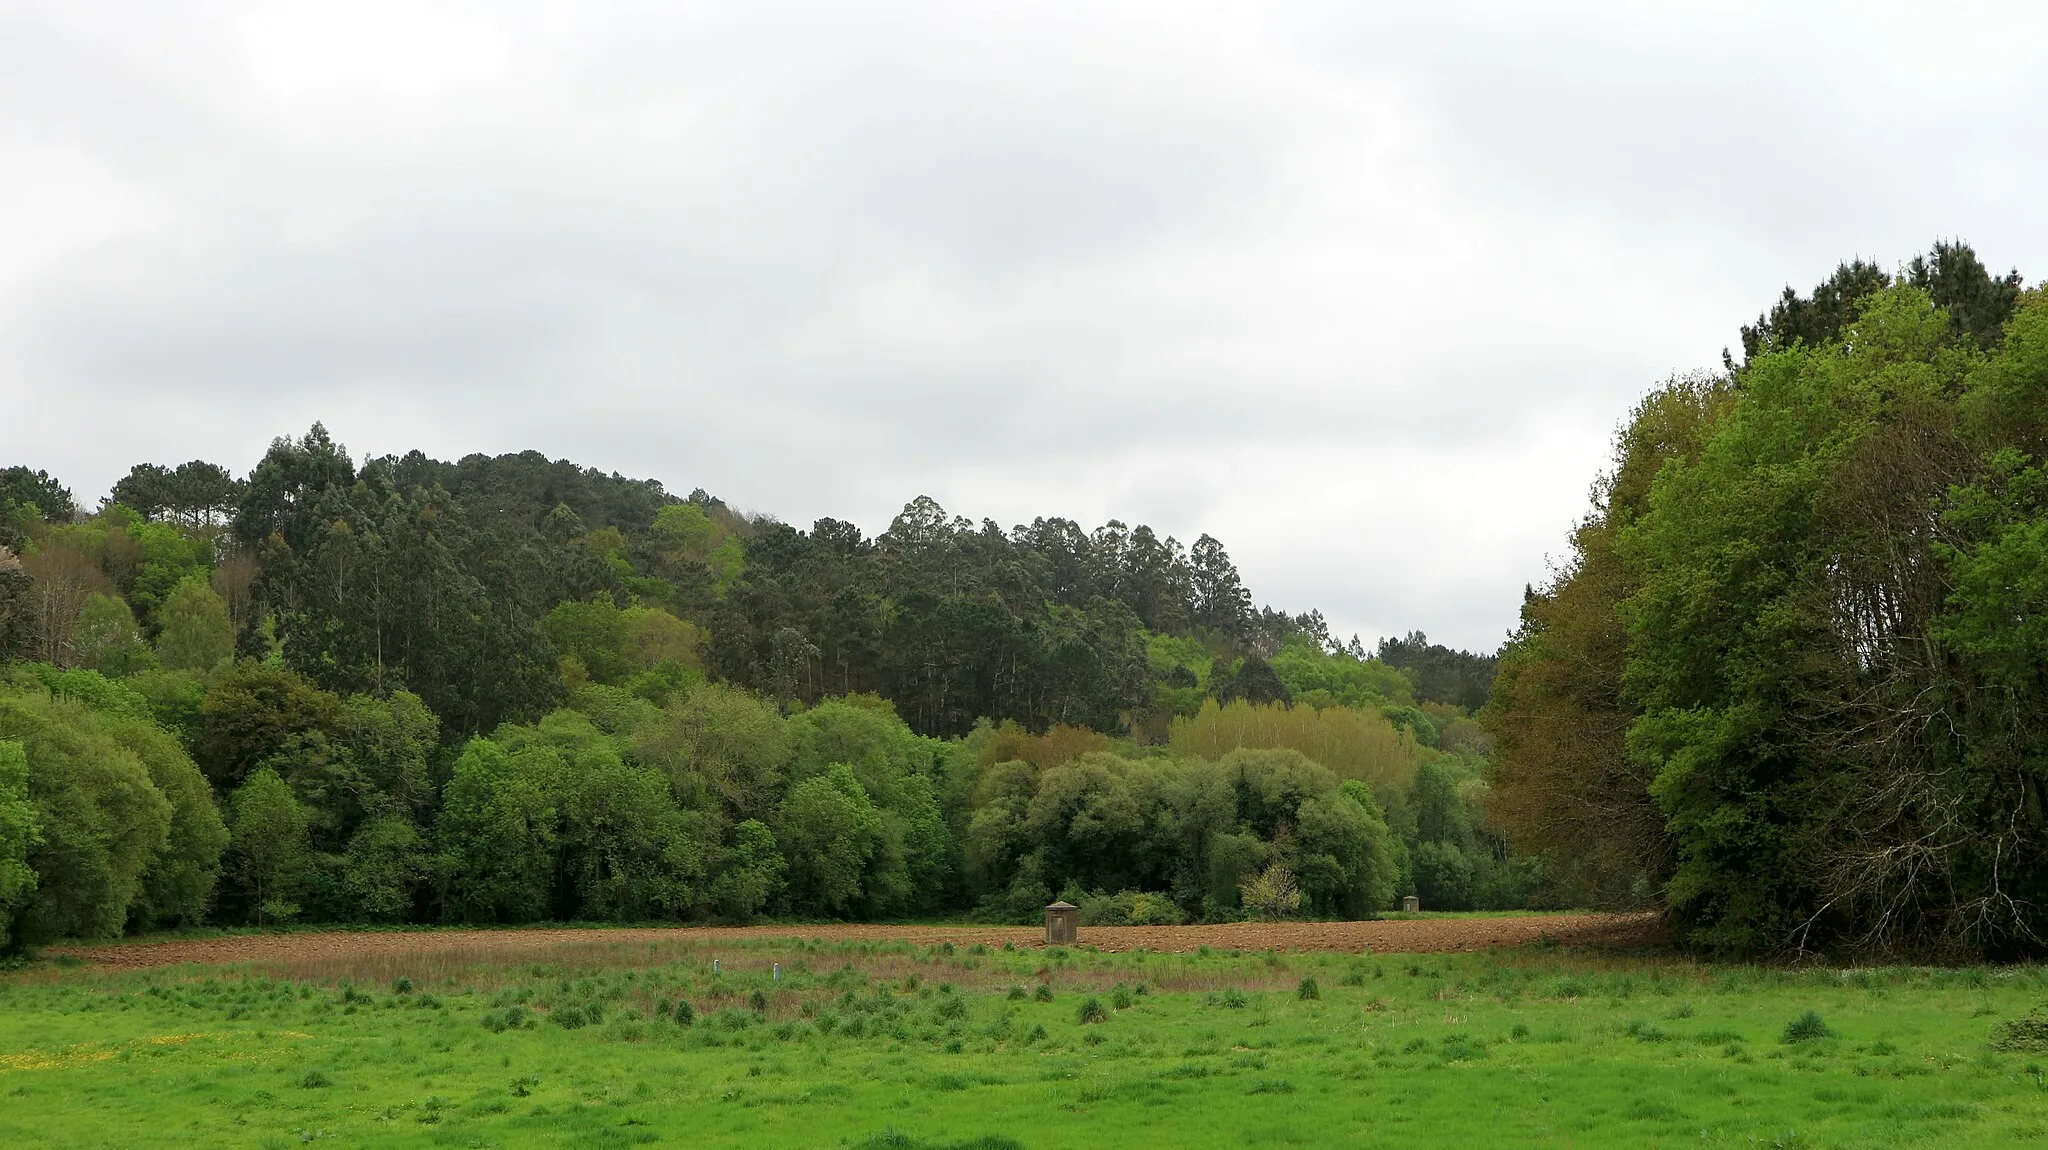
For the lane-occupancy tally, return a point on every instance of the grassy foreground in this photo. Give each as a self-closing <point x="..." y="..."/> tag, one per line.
<point x="889" y="1045"/>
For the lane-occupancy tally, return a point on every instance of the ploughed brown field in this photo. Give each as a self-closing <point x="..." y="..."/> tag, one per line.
<point x="1391" y="936"/>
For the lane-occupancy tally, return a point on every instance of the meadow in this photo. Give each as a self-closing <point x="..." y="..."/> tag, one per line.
<point x="795" y="1042"/>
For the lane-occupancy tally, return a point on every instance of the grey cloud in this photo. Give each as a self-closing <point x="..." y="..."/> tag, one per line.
<point x="1361" y="291"/>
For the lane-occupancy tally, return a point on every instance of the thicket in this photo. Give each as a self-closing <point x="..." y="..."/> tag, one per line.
<point x="508" y="690"/>
<point x="1792" y="683"/>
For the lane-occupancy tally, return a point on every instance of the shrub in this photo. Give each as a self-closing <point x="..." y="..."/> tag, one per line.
<point x="315" y="1079"/>
<point x="1018" y="994"/>
<point x="1308" y="990"/>
<point x="2028" y="1034"/>
<point x="570" y="1018"/>
<point x="1091" y="1011"/>
<point x="1805" y="1028"/>
<point x="1120" y="998"/>
<point x="402" y="986"/>
<point x="1043" y="993"/>
<point x="685" y="1014"/>
<point x="758" y="1001"/>
<point x="1129" y="908"/>
<point x="1461" y="1048"/>
<point x="1272" y="894"/>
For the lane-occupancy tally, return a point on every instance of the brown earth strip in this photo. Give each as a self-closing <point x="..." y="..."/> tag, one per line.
<point x="1403" y="936"/>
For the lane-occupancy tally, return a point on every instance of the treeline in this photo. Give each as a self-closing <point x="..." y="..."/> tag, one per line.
<point x="1793" y="685"/>
<point x="511" y="689"/>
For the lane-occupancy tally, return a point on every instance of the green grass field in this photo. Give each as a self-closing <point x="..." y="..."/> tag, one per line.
<point x="888" y="1045"/>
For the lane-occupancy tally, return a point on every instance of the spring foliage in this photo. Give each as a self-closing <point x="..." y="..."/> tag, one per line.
<point x="1792" y="681"/>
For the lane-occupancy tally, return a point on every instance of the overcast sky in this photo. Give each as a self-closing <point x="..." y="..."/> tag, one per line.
<point x="1361" y="290"/>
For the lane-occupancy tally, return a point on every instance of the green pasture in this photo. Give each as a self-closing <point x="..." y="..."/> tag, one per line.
<point x="889" y="1045"/>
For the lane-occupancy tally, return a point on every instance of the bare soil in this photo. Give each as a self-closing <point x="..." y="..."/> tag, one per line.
<point x="1392" y="936"/>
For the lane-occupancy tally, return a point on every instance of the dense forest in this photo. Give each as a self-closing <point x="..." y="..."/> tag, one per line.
<point x="512" y="689"/>
<point x="1790" y="687"/>
<point x="1792" y="684"/>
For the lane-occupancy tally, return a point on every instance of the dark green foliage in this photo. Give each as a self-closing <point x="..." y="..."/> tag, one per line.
<point x="685" y="1014"/>
<point x="28" y="496"/>
<point x="1089" y="1011"/>
<point x="1043" y="993"/>
<point x="1308" y="990"/>
<point x="1461" y="1048"/>
<point x="1441" y="675"/>
<point x="896" y="1140"/>
<point x="1805" y="1028"/>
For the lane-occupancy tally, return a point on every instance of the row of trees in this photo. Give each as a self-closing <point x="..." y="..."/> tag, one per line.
<point x="512" y="689"/>
<point x="1792" y="684"/>
<point x="269" y="799"/>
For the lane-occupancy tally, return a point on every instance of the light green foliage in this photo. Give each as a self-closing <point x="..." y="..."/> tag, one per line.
<point x="496" y="834"/>
<point x="1271" y="894"/>
<point x="178" y="887"/>
<point x="630" y="853"/>
<point x="1179" y="667"/>
<point x="104" y="823"/>
<point x="194" y="631"/>
<point x="19" y="831"/>
<point x="691" y="536"/>
<point x="723" y="746"/>
<point x="174" y="698"/>
<point x="389" y="741"/>
<point x="829" y="829"/>
<point x="751" y="872"/>
<point x="272" y="855"/>
<point x="553" y="818"/>
<point x="1318" y="678"/>
<point x="913" y="856"/>
<point x="105" y="639"/>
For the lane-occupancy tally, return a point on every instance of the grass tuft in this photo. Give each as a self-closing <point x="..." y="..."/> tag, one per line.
<point x="1808" y="1027"/>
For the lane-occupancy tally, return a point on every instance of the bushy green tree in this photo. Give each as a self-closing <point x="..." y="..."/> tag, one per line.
<point x="750" y="874"/>
<point x="103" y="821"/>
<point x="495" y="838"/>
<point x="20" y="832"/>
<point x="272" y="854"/>
<point x="383" y="869"/>
<point x="828" y="828"/>
<point x="721" y="747"/>
<point x="105" y="638"/>
<point x="194" y="632"/>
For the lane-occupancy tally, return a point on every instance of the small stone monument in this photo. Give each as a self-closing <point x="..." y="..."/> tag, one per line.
<point x="1060" y="924"/>
<point x="1410" y="903"/>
